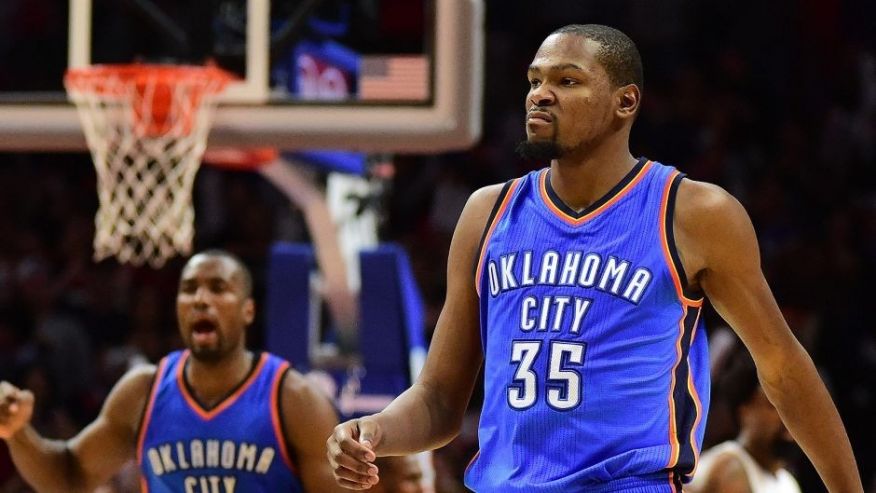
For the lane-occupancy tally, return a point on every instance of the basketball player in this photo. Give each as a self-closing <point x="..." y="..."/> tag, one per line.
<point x="754" y="461"/>
<point x="215" y="418"/>
<point x="584" y="305"/>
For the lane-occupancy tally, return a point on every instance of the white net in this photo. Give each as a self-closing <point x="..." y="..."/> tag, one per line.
<point x="147" y="130"/>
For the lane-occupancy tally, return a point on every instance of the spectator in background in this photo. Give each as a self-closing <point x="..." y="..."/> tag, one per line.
<point x="400" y="474"/>
<point x="753" y="462"/>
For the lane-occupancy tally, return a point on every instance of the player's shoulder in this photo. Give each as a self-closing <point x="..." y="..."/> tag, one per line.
<point x="139" y="377"/>
<point x="296" y="386"/>
<point x="125" y="403"/>
<point x="134" y="386"/>
<point x="302" y="396"/>
<point x="478" y="208"/>
<point x="486" y="197"/>
<point x="728" y="470"/>
<point x="484" y="201"/>
<point x="490" y="196"/>
<point x="700" y="204"/>
<point x="701" y="196"/>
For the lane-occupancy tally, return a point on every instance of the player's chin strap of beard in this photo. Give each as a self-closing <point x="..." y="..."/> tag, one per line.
<point x="541" y="151"/>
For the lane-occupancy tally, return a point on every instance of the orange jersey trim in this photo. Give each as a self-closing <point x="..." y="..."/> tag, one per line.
<point x="492" y="227"/>
<point x="147" y="414"/>
<point x="675" y="445"/>
<point x="472" y="460"/>
<point x="673" y="431"/>
<point x="698" y="405"/>
<point x="542" y="180"/>
<point x="228" y="401"/>
<point x="687" y="303"/>
<point x="676" y="279"/>
<point x="275" y="416"/>
<point x="672" y="482"/>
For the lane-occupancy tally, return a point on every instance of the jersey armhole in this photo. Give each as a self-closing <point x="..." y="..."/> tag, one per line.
<point x="145" y="417"/>
<point x="286" y="449"/>
<point x="668" y="226"/>
<point x="495" y="215"/>
<point x="493" y="212"/>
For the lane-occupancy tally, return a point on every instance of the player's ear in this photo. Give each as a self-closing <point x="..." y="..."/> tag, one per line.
<point x="628" y="98"/>
<point x="249" y="310"/>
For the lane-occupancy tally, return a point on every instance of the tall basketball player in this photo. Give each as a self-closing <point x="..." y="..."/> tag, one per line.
<point x="585" y="302"/>
<point x="215" y="418"/>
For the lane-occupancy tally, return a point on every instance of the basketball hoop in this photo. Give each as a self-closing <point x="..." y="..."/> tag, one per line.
<point x="240" y="158"/>
<point x="147" y="127"/>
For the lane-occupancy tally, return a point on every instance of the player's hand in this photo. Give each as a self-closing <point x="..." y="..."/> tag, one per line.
<point x="16" y="408"/>
<point x="351" y="453"/>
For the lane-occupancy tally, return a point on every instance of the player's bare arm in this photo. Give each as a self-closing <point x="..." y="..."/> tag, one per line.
<point x="91" y="457"/>
<point x="719" y="251"/>
<point x="308" y="417"/>
<point x="429" y="414"/>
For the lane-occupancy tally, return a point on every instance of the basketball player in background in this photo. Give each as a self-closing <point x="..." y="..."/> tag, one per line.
<point x="754" y="461"/>
<point x="212" y="418"/>
<point x="584" y="304"/>
<point x="399" y="474"/>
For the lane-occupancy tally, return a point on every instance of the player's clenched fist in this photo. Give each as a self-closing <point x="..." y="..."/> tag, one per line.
<point x="16" y="408"/>
<point x="351" y="453"/>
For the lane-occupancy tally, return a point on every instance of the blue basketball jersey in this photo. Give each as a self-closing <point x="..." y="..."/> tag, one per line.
<point x="596" y="374"/>
<point x="236" y="446"/>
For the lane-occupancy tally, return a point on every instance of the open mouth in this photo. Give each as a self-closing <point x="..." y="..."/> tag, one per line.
<point x="202" y="326"/>
<point x="204" y="332"/>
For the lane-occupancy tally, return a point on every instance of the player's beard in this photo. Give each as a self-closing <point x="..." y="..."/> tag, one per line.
<point x="210" y="354"/>
<point x="539" y="151"/>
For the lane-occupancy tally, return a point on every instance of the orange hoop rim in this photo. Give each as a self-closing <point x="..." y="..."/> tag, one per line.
<point x="239" y="158"/>
<point x="210" y="78"/>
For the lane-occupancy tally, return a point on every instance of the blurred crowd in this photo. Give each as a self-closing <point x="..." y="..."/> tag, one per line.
<point x="774" y="101"/>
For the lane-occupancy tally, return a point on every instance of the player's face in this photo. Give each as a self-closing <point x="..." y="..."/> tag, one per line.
<point x="212" y="307"/>
<point x="569" y="102"/>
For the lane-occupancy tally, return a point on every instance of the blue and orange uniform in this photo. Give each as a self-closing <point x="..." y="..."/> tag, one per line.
<point x="596" y="375"/>
<point x="237" y="445"/>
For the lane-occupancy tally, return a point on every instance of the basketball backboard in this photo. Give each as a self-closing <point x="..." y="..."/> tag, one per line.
<point x="369" y="75"/>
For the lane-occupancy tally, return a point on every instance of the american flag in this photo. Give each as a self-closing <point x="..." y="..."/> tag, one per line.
<point x="394" y="78"/>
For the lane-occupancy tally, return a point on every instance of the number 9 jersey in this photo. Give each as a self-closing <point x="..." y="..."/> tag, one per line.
<point x="596" y="367"/>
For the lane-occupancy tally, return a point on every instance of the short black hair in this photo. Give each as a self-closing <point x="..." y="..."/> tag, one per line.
<point x="245" y="274"/>
<point x="618" y="54"/>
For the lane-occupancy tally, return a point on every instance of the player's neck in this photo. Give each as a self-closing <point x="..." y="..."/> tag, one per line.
<point x="582" y="178"/>
<point x="760" y="452"/>
<point x="211" y="381"/>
